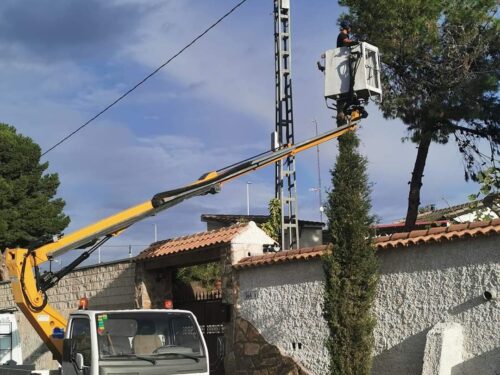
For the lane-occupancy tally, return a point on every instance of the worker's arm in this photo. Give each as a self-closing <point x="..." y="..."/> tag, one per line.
<point x="345" y="41"/>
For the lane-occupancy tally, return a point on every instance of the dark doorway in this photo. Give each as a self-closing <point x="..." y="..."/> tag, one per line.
<point x="211" y="314"/>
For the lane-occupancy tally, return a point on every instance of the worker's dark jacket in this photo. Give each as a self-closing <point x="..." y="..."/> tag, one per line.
<point x="342" y="40"/>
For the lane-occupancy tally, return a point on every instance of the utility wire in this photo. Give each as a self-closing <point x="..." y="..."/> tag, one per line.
<point x="147" y="77"/>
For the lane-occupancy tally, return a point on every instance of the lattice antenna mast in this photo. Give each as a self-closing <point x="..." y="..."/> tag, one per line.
<point x="285" y="176"/>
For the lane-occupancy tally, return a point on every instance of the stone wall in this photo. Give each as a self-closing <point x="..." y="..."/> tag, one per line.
<point x="107" y="286"/>
<point x="253" y="355"/>
<point x="152" y="287"/>
<point x="420" y="287"/>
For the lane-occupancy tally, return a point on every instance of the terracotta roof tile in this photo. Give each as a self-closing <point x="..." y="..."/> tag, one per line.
<point x="399" y="236"/>
<point x="417" y="233"/>
<point x="437" y="230"/>
<point x="478" y="224"/>
<point x="293" y="252"/>
<point x="453" y="232"/>
<point x="191" y="242"/>
<point x="455" y="227"/>
<point x="381" y="239"/>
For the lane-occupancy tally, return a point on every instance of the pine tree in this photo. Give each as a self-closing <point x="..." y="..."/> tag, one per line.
<point x="440" y="75"/>
<point x="351" y="266"/>
<point x="29" y="213"/>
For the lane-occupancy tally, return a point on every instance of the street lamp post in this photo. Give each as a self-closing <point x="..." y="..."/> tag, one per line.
<point x="321" y="209"/>
<point x="248" y="197"/>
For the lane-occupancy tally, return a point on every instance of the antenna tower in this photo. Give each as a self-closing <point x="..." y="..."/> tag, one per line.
<point x="285" y="176"/>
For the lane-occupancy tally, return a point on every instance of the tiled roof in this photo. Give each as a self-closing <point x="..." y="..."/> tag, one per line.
<point x="417" y="224"/>
<point x="193" y="241"/>
<point x="438" y="234"/>
<point x="282" y="256"/>
<point x="226" y="234"/>
<point x="460" y="209"/>
<point x="416" y="237"/>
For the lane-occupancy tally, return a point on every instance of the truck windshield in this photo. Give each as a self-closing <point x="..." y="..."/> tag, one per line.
<point x="159" y="335"/>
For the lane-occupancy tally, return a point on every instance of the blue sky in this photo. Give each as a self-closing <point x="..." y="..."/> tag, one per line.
<point x="63" y="61"/>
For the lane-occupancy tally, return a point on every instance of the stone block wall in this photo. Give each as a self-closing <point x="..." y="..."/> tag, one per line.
<point x="251" y="354"/>
<point x="107" y="286"/>
<point x="152" y="287"/>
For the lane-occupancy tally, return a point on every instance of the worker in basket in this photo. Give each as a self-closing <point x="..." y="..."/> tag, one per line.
<point x="344" y="38"/>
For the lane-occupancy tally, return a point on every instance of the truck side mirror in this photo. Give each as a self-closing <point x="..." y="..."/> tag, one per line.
<point x="79" y="361"/>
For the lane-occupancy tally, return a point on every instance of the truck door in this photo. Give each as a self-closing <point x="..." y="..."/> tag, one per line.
<point x="10" y="345"/>
<point x="77" y="349"/>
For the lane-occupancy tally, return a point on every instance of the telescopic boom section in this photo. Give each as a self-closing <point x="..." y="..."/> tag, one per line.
<point x="208" y="183"/>
<point x="29" y="289"/>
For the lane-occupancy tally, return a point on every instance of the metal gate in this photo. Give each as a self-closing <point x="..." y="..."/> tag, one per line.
<point x="211" y="314"/>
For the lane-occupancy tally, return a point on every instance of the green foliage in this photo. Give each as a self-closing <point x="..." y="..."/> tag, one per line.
<point x="28" y="210"/>
<point x="272" y="227"/>
<point x="440" y="74"/>
<point x="204" y="274"/>
<point x="351" y="267"/>
<point x="489" y="180"/>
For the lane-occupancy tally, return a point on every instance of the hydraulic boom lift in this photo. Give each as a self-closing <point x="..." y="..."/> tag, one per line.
<point x="30" y="287"/>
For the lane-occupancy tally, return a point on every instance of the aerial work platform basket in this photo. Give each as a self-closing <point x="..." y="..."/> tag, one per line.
<point x="353" y="72"/>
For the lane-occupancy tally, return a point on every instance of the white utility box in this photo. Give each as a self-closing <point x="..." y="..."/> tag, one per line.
<point x="365" y="63"/>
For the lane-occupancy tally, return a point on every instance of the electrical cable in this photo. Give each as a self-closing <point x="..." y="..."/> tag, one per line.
<point x="147" y="77"/>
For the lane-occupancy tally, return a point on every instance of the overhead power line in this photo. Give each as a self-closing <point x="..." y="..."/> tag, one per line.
<point x="147" y="77"/>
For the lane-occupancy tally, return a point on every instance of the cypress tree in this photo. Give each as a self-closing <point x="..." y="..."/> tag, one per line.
<point x="351" y="267"/>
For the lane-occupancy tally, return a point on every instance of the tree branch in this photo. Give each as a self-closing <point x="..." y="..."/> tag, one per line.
<point x="485" y="133"/>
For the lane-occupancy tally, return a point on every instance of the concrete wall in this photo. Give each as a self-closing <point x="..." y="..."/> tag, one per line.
<point x="107" y="286"/>
<point x="425" y="285"/>
<point x="419" y="288"/>
<point x="285" y="303"/>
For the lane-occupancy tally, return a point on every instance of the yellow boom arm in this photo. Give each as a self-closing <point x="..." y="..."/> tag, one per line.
<point x="29" y="289"/>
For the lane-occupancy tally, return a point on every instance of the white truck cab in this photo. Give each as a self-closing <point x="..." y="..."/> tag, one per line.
<point x="123" y="342"/>
<point x="10" y="345"/>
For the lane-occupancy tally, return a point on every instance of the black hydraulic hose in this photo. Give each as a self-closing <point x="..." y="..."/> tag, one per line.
<point x="354" y="58"/>
<point x="172" y="197"/>
<point x="23" y="288"/>
<point x="50" y="279"/>
<point x="247" y="159"/>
